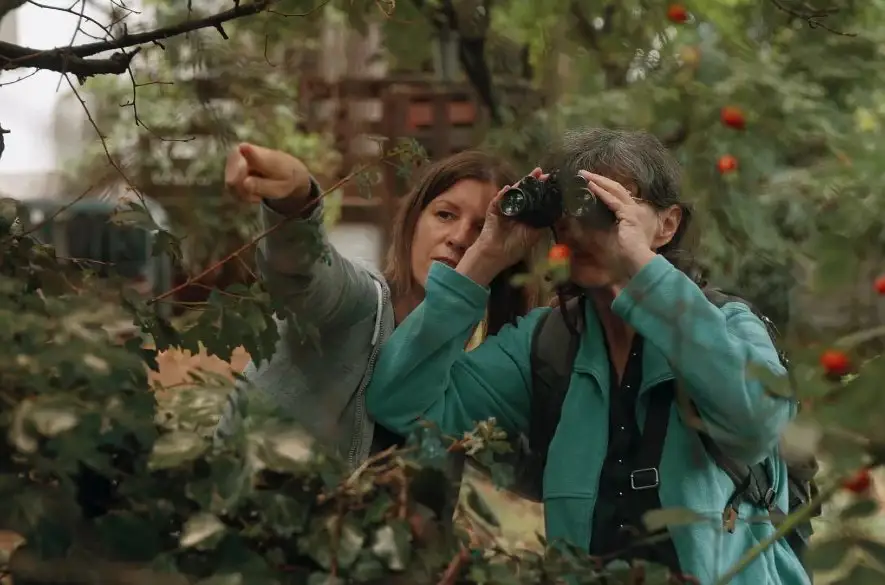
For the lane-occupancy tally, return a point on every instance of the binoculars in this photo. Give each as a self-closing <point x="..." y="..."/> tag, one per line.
<point x="541" y="203"/>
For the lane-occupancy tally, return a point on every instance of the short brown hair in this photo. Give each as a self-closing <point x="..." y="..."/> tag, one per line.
<point x="640" y="158"/>
<point x="506" y="302"/>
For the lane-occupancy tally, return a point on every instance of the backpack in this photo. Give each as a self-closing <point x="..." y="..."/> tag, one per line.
<point x="554" y="347"/>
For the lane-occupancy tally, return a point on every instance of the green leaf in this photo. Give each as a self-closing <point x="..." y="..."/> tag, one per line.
<point x="223" y="579"/>
<point x="175" y="448"/>
<point x="862" y="574"/>
<point x="285" y="515"/>
<point x="202" y="531"/>
<point x="874" y="548"/>
<point x="331" y="537"/>
<point x="134" y="214"/>
<point x="859" y="509"/>
<point x="166" y="244"/>
<point x="378" y="508"/>
<point x="367" y="568"/>
<point x="391" y="544"/>
<point x="324" y="579"/>
<point x="129" y="538"/>
<point x="657" y="519"/>
<point x="482" y="509"/>
<point x="828" y="554"/>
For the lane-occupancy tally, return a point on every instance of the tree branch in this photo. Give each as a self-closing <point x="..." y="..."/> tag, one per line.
<point x="813" y="17"/>
<point x="7" y="6"/>
<point x="2" y="143"/>
<point x="74" y="60"/>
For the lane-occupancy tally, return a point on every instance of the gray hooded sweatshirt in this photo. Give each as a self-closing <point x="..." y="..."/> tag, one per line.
<point x="322" y="364"/>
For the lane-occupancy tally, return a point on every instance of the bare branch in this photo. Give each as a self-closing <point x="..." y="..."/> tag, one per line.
<point x="74" y="60"/>
<point x="2" y="143"/>
<point x="7" y="6"/>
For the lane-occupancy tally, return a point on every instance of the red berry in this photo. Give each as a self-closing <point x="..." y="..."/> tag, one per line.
<point x="727" y="163"/>
<point x="677" y="13"/>
<point x="835" y="362"/>
<point x="879" y="285"/>
<point x="559" y="253"/>
<point x="733" y="117"/>
<point x="859" y="483"/>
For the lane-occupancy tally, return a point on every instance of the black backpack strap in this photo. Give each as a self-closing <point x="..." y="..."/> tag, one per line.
<point x="552" y="364"/>
<point x="645" y="478"/>
<point x="555" y="344"/>
<point x="720" y="297"/>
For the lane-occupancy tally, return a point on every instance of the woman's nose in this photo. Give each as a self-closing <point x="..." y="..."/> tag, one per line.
<point x="460" y="237"/>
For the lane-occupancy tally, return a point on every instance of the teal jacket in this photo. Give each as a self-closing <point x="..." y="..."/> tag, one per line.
<point x="423" y="372"/>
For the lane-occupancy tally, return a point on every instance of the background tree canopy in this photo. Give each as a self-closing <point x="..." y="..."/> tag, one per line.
<point x="773" y="108"/>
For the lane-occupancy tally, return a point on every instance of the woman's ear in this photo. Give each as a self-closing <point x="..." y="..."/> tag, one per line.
<point x="668" y="223"/>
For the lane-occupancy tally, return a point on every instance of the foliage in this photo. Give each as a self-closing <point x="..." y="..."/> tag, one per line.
<point x="104" y="485"/>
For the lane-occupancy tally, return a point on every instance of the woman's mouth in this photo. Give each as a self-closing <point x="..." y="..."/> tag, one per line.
<point x="448" y="262"/>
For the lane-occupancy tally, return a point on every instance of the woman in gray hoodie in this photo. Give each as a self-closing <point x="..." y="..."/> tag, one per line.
<point x="341" y="312"/>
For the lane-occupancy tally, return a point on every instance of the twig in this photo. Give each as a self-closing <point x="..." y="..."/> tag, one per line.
<point x="22" y="78"/>
<point x="246" y="267"/>
<point x="353" y="477"/>
<point x="104" y="142"/>
<point x="59" y="211"/>
<point x="450" y="576"/>
<point x="812" y="17"/>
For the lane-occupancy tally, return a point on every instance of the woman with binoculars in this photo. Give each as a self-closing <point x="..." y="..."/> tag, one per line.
<point x="658" y="373"/>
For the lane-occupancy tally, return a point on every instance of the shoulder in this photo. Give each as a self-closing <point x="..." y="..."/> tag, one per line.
<point x="736" y="308"/>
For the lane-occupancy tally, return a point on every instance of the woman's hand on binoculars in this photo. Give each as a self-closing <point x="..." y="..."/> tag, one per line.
<point x="502" y="243"/>
<point x="636" y="226"/>
<point x="254" y="173"/>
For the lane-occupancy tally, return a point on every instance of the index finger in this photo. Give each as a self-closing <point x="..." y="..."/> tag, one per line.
<point x="235" y="170"/>
<point x="264" y="161"/>
<point x="613" y="187"/>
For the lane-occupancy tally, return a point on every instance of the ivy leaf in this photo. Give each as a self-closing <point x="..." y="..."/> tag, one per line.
<point x="166" y="244"/>
<point x="321" y="578"/>
<point x="223" y="579"/>
<point x="862" y="574"/>
<point x="478" y="504"/>
<point x="367" y="568"/>
<point x="201" y="531"/>
<point x="284" y="515"/>
<point x="348" y="541"/>
<point x="134" y="214"/>
<point x="874" y="548"/>
<point x="859" y="509"/>
<point x="173" y="449"/>
<point x="827" y="555"/>
<point x="392" y="544"/>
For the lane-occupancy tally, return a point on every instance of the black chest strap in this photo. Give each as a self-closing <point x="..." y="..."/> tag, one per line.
<point x="619" y="530"/>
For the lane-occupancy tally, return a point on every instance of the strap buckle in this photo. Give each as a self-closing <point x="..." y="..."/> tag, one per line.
<point x="644" y="479"/>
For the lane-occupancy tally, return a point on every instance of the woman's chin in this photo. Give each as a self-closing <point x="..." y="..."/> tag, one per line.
<point x="590" y="277"/>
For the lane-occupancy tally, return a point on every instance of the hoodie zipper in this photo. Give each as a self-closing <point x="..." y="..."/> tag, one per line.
<point x="377" y="336"/>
